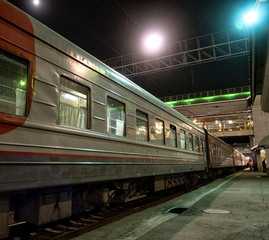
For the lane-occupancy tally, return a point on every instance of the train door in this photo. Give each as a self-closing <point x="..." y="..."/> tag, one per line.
<point x="207" y="151"/>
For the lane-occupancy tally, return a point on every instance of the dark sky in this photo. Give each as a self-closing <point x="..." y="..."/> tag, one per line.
<point x="110" y="28"/>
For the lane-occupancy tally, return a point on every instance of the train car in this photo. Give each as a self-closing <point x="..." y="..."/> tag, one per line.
<point x="68" y="122"/>
<point x="240" y="161"/>
<point x="74" y="133"/>
<point x="220" y="154"/>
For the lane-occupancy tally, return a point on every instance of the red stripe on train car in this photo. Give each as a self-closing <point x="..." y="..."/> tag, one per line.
<point x="84" y="156"/>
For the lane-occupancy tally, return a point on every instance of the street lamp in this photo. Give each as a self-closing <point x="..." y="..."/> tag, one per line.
<point x="36" y="2"/>
<point x="153" y="42"/>
<point x="251" y="17"/>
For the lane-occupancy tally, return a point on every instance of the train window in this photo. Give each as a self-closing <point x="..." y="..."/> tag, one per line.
<point x="142" y="126"/>
<point x="196" y="144"/>
<point x="214" y="150"/>
<point x="182" y="139"/>
<point x="73" y="104"/>
<point x="219" y="151"/>
<point x="115" y="117"/>
<point x="13" y="84"/>
<point x="171" y="138"/>
<point x="159" y="132"/>
<point x="203" y="146"/>
<point x="190" y="141"/>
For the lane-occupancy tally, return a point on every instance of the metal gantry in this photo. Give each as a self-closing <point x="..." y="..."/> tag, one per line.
<point x="203" y="49"/>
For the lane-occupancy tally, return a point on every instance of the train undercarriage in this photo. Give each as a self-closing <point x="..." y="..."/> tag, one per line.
<point x="43" y="206"/>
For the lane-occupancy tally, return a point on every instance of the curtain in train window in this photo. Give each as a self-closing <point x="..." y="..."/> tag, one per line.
<point x="115" y="117"/>
<point x="13" y="84"/>
<point x="73" y="104"/>
<point x="182" y="139"/>
<point x="190" y="141"/>
<point x="159" y="132"/>
<point x="141" y="126"/>
<point x="171" y="138"/>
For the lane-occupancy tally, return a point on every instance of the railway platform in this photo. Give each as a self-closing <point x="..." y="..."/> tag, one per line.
<point x="234" y="207"/>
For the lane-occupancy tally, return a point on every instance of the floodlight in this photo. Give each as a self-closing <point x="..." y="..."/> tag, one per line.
<point x="153" y="42"/>
<point x="36" y="2"/>
<point x="251" y="17"/>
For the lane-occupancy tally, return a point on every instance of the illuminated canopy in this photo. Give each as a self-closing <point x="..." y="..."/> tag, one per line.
<point x="208" y="99"/>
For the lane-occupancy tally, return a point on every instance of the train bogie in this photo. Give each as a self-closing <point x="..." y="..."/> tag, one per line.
<point x="40" y="207"/>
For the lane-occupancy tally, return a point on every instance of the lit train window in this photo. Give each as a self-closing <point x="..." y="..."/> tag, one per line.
<point x="159" y="132"/>
<point x="190" y="141"/>
<point x="73" y="104"/>
<point x="115" y="117"/>
<point x="196" y="144"/>
<point x="171" y="139"/>
<point x="142" y="126"/>
<point x="182" y="139"/>
<point x="13" y="84"/>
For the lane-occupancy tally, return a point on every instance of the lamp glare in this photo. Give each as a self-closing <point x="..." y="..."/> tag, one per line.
<point x="251" y="17"/>
<point x="153" y="42"/>
<point x="36" y="2"/>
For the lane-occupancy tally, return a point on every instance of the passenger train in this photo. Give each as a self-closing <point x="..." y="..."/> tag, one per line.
<point x="75" y="134"/>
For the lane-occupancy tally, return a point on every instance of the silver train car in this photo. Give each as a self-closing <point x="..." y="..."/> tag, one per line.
<point x="74" y="133"/>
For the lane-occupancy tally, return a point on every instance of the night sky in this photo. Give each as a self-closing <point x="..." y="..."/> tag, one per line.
<point x="112" y="28"/>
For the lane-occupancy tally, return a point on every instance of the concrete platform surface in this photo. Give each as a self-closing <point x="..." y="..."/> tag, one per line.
<point x="244" y="195"/>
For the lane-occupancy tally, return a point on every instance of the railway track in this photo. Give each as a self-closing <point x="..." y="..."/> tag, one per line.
<point x="88" y="221"/>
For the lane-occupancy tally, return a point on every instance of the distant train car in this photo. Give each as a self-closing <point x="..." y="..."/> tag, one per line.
<point x="74" y="133"/>
<point x="239" y="159"/>
<point x="220" y="154"/>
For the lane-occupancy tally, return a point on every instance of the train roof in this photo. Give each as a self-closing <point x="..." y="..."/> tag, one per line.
<point x="57" y="41"/>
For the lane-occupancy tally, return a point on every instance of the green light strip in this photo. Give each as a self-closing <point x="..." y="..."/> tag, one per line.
<point x="208" y="99"/>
